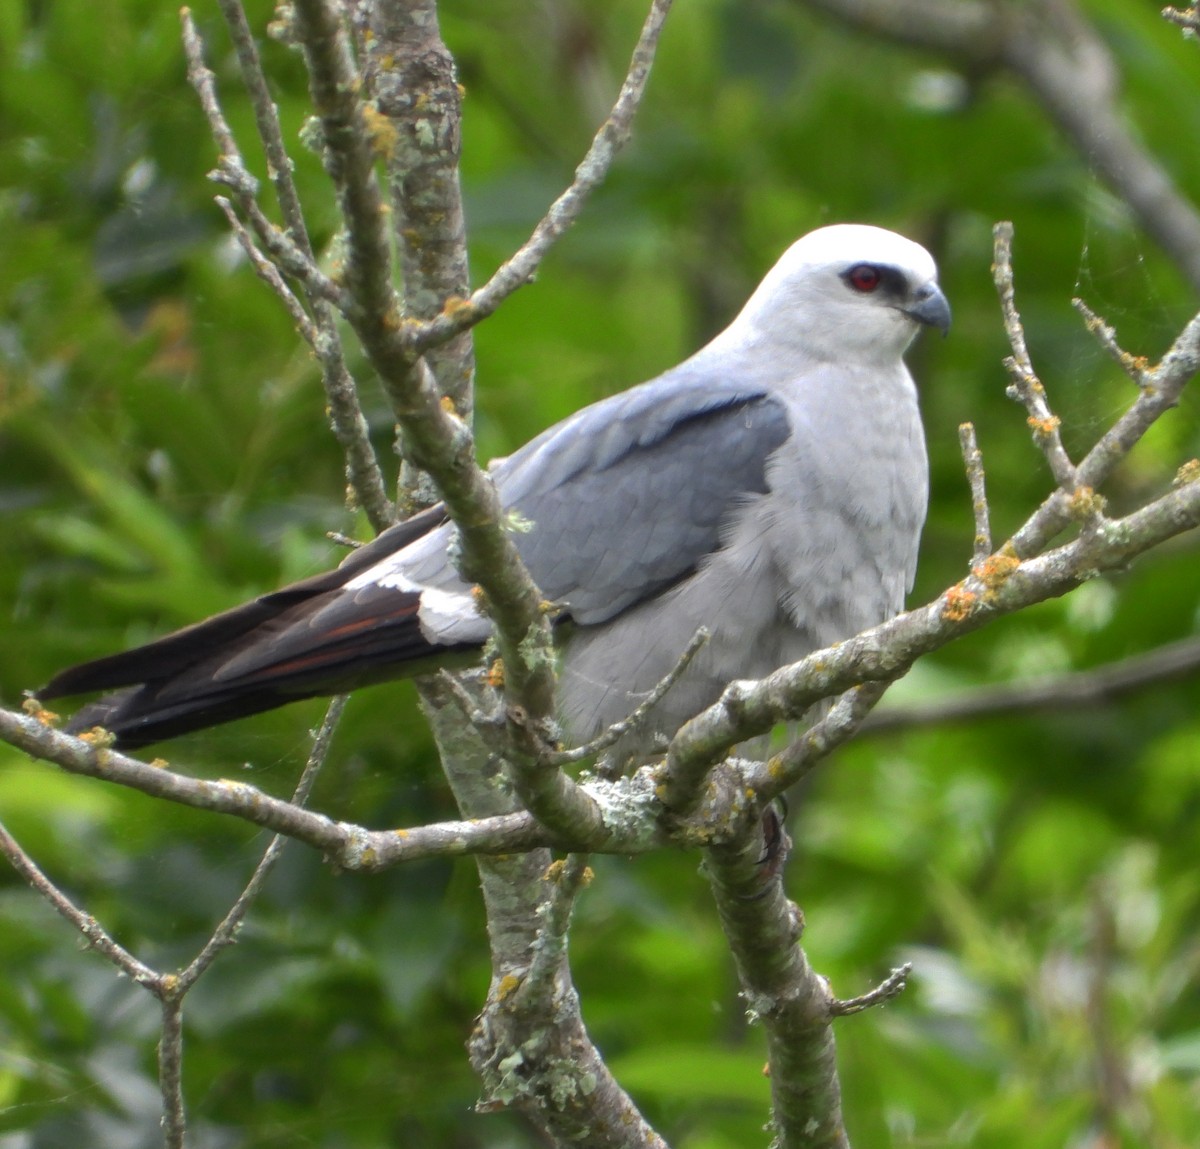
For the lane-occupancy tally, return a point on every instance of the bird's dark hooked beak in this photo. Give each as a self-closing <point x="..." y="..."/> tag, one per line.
<point x="929" y="306"/>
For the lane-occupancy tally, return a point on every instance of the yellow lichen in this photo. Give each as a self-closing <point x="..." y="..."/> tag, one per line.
<point x="1188" y="473"/>
<point x="1044" y="428"/>
<point x="509" y="984"/>
<point x="98" y="738"/>
<point x="994" y="570"/>
<point x="958" y="603"/>
<point x="456" y="305"/>
<point x="37" y="711"/>
<point x="1085" y="503"/>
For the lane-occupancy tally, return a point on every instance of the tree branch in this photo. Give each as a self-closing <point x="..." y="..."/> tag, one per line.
<point x="1003" y="584"/>
<point x="293" y="251"/>
<point x="1160" y="389"/>
<point x="973" y="461"/>
<point x="93" y="932"/>
<point x="521" y="268"/>
<point x="435" y="439"/>
<point x="1054" y="693"/>
<point x="1026" y="386"/>
<point x="782" y="991"/>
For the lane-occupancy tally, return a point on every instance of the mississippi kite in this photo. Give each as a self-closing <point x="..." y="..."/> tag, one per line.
<point x="771" y="488"/>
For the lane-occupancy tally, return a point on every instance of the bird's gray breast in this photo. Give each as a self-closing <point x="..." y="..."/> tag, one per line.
<point x="827" y="550"/>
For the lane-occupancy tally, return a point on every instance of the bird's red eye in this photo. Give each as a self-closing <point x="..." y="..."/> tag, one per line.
<point x="864" y="277"/>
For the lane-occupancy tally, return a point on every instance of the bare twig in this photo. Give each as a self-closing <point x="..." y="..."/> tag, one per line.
<point x="567" y="878"/>
<point x="269" y="273"/>
<point x="973" y="461"/>
<point x="226" y="933"/>
<point x="1133" y="365"/>
<point x="1055" y="693"/>
<point x="348" y="846"/>
<point x="291" y="250"/>
<point x="342" y="540"/>
<point x="618" y="730"/>
<point x="489" y="725"/>
<point x="170" y="1069"/>
<point x="1025" y="384"/>
<point x="93" y="932"/>
<point x="837" y="727"/>
<point x="521" y="268"/>
<point x="1161" y="387"/>
<point x="892" y="986"/>
<point x="1186" y="18"/>
<point x="293" y="260"/>
<point x="266" y="117"/>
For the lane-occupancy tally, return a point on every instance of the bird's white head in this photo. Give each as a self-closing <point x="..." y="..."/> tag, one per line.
<point x="848" y="291"/>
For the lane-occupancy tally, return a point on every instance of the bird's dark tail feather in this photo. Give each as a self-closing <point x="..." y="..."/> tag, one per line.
<point x="135" y="720"/>
<point x="309" y="639"/>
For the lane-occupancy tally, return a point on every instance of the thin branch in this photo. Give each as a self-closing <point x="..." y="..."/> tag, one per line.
<point x="775" y="777"/>
<point x="93" y="932"/>
<point x="170" y="1071"/>
<point x="226" y="932"/>
<point x="522" y="267"/>
<point x="973" y="461"/>
<point x="290" y="250"/>
<point x="1003" y="585"/>
<point x="1186" y="18"/>
<point x="280" y="246"/>
<point x="233" y="174"/>
<point x="1133" y="365"/>
<point x="1026" y="386"/>
<point x="172" y="988"/>
<point x="489" y="726"/>
<point x="269" y="273"/>
<point x="618" y="730"/>
<point x="558" y="802"/>
<point x="892" y="986"/>
<point x="567" y="878"/>
<point x="266" y="118"/>
<point x="1160" y="391"/>
<point x="1055" y="693"/>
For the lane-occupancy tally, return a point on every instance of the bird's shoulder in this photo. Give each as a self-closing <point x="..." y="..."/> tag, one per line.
<point x="626" y="428"/>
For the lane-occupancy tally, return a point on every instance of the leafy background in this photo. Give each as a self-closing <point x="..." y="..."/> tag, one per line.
<point x="163" y="455"/>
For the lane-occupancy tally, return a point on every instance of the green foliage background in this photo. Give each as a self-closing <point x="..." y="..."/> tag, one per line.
<point x="163" y="455"/>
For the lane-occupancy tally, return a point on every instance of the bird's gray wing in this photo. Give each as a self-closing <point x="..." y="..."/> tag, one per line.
<point x="631" y="495"/>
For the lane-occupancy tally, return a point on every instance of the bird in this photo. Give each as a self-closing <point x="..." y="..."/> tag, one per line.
<point x="771" y="488"/>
